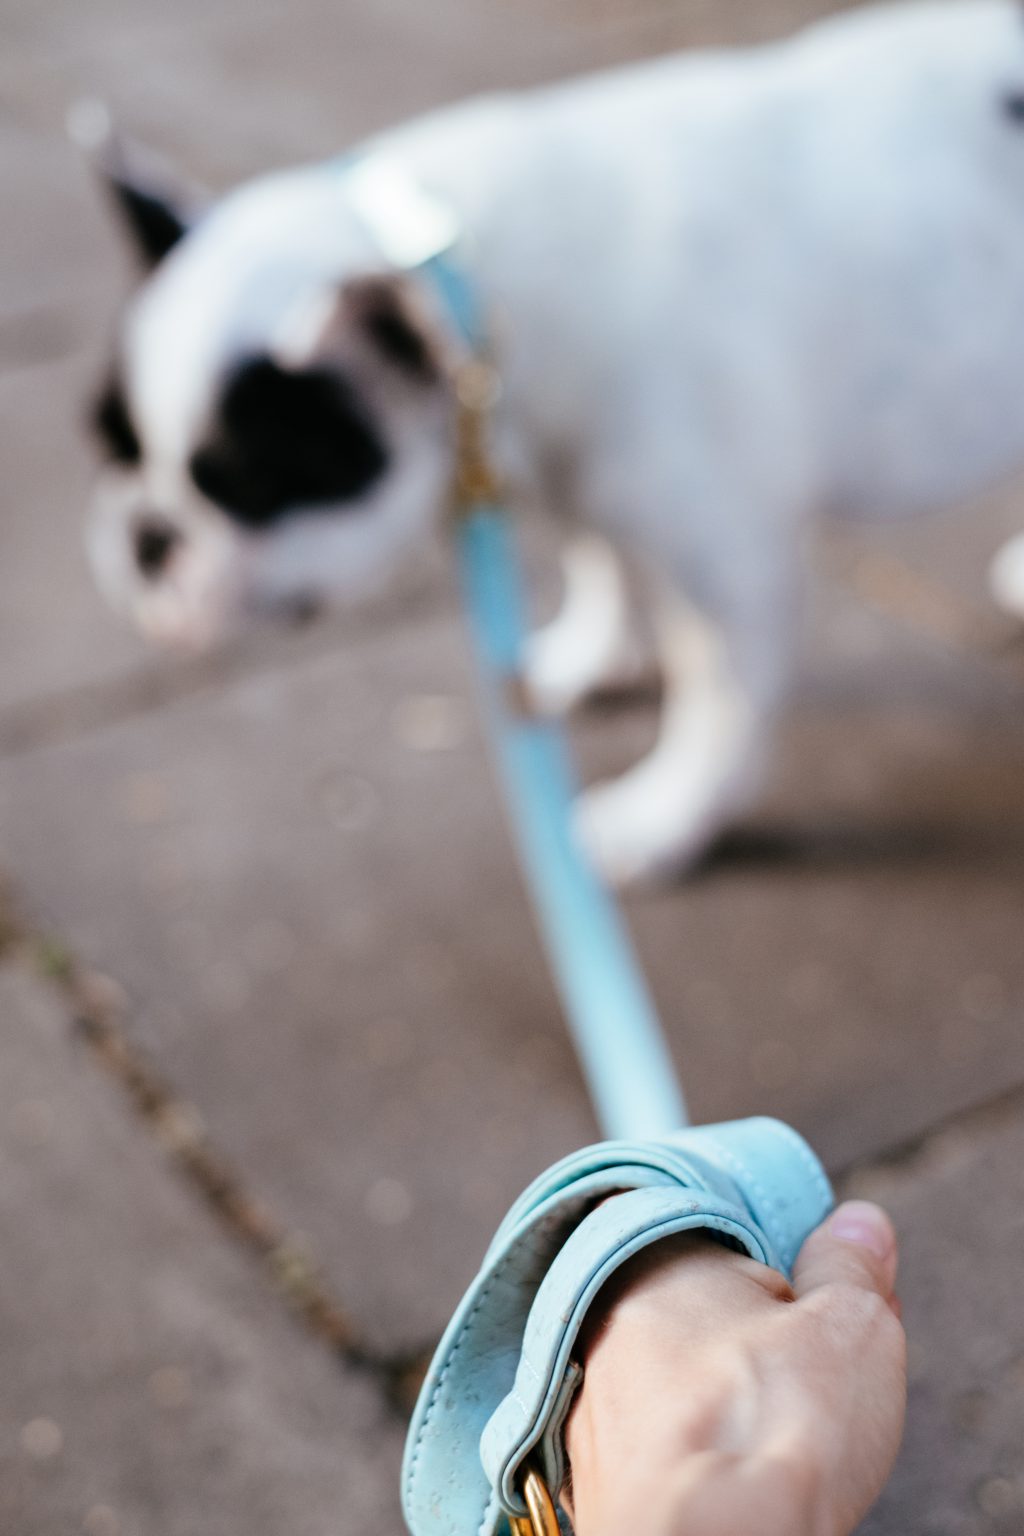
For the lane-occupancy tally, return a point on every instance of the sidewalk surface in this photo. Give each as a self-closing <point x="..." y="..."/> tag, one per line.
<point x="289" y="865"/>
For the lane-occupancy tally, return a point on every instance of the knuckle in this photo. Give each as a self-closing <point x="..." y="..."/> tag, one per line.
<point x="852" y="1315"/>
<point x="852" y="1302"/>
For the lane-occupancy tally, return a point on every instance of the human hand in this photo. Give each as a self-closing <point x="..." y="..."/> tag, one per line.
<point x="718" y="1400"/>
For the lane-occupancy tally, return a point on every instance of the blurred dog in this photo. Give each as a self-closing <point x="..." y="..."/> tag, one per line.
<point x="729" y="291"/>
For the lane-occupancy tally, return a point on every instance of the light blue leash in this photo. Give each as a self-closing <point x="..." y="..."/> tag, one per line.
<point x="621" y="1046"/>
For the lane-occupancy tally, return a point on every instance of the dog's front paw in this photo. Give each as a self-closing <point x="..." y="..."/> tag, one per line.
<point x="623" y="830"/>
<point x="564" y="671"/>
<point x="558" y="676"/>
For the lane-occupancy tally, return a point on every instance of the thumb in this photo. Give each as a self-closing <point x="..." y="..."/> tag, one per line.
<point x="856" y="1246"/>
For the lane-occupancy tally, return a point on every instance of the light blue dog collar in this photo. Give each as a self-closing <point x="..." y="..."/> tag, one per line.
<point x="503" y="1377"/>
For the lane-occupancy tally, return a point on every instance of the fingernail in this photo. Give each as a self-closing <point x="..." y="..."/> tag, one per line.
<point x="864" y="1224"/>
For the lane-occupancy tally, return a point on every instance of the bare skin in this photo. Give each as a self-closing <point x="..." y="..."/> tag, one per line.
<point x="718" y="1400"/>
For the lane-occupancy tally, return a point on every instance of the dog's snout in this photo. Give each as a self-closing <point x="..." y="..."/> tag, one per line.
<point x="155" y="541"/>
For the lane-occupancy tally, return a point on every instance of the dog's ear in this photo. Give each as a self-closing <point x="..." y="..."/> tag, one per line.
<point x="389" y="315"/>
<point x="381" y="314"/>
<point x="155" y="208"/>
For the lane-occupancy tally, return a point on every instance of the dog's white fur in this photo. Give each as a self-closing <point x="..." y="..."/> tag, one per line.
<point x="729" y="291"/>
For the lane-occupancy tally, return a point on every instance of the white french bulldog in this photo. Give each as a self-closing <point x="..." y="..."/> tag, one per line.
<point x="727" y="291"/>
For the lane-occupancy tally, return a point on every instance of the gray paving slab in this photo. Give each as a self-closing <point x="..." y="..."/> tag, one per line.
<point x="231" y="89"/>
<point x="149" y="1382"/>
<point x="958" y="1204"/>
<point x="56" y="259"/>
<point x="305" y="885"/>
<point x="849" y="957"/>
<point x="292" y="926"/>
<point x="55" y="631"/>
<point x="152" y="1384"/>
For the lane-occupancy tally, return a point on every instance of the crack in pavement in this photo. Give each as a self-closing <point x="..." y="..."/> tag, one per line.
<point x="887" y="585"/>
<point x="96" y="1008"/>
<point x="909" y="1155"/>
<point x="69" y="714"/>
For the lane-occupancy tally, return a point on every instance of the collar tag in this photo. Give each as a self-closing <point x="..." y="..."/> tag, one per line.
<point x="409" y="224"/>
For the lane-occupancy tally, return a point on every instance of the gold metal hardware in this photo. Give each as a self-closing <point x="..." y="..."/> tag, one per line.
<point x="542" y="1519"/>
<point x="477" y="388"/>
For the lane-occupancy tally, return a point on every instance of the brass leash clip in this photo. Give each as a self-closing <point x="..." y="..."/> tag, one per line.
<point x="477" y="388"/>
<point x="542" y="1519"/>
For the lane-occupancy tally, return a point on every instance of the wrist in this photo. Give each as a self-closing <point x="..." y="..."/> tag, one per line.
<point x="699" y="1492"/>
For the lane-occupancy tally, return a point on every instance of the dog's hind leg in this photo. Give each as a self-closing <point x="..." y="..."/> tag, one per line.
<point x="590" y="645"/>
<point x="658" y="818"/>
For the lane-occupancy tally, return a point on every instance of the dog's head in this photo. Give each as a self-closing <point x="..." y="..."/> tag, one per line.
<point x="276" y="423"/>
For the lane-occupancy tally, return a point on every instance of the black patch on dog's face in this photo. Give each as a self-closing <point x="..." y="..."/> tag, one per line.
<point x="1013" y="106"/>
<point x="112" y="422"/>
<point x="285" y="439"/>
